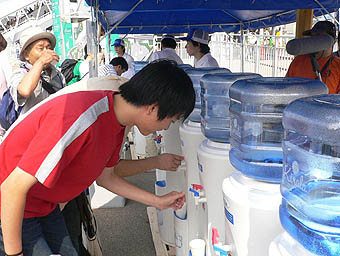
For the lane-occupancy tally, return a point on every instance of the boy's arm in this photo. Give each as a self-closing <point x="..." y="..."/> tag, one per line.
<point x="109" y="180"/>
<point x="167" y="162"/>
<point x="13" y="198"/>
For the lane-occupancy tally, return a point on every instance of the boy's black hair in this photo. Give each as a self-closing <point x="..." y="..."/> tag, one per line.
<point x="169" y="43"/>
<point x="204" y="48"/>
<point x="120" y="61"/>
<point x="163" y="83"/>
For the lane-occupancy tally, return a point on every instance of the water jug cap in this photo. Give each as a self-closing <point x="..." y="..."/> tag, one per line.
<point x="196" y="73"/>
<point x="225" y="78"/>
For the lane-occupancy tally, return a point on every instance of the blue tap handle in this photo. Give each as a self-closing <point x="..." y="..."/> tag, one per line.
<point x="194" y="191"/>
<point x="222" y="252"/>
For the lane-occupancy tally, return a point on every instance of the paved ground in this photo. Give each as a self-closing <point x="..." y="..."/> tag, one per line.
<point x="126" y="231"/>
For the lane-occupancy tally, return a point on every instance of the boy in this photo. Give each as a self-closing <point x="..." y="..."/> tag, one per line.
<point x="69" y="142"/>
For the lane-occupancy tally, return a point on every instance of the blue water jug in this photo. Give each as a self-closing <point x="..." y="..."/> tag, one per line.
<point x="185" y="66"/>
<point x="138" y="65"/>
<point x="310" y="210"/>
<point x="215" y="119"/>
<point x="256" y="107"/>
<point x="196" y="75"/>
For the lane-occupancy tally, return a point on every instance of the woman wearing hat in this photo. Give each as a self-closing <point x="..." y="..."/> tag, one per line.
<point x="197" y="46"/>
<point x="36" y="78"/>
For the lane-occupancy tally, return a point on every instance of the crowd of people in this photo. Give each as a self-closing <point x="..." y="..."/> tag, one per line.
<point x="22" y="16"/>
<point x="59" y="148"/>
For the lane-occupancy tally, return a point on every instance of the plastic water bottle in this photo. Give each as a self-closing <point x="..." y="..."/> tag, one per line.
<point x="310" y="210"/>
<point x="138" y="65"/>
<point x="185" y="66"/>
<point x="256" y="107"/>
<point x="215" y="119"/>
<point x="196" y="75"/>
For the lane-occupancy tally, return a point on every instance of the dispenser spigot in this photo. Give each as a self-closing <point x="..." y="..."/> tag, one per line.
<point x="221" y="250"/>
<point x="197" y="187"/>
<point x="198" y="194"/>
<point x="158" y="139"/>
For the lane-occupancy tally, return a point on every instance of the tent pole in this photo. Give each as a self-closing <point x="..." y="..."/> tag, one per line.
<point x="124" y="17"/>
<point x="242" y="49"/>
<point x="304" y="20"/>
<point x="92" y="42"/>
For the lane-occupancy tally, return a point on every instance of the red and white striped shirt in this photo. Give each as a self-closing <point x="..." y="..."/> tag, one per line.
<point x="65" y="143"/>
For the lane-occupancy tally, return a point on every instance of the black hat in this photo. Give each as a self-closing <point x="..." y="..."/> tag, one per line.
<point x="322" y="27"/>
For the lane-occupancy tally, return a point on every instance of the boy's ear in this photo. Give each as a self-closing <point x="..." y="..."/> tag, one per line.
<point x="152" y="108"/>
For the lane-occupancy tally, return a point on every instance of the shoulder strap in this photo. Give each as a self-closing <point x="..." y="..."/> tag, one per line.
<point x="316" y="67"/>
<point x="326" y="65"/>
<point x="47" y="86"/>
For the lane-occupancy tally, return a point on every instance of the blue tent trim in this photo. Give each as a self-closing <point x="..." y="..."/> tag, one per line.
<point x="178" y="16"/>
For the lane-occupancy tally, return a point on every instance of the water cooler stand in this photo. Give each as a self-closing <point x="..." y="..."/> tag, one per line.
<point x="191" y="138"/>
<point x="251" y="209"/>
<point x="214" y="167"/>
<point x="174" y="181"/>
<point x="139" y="142"/>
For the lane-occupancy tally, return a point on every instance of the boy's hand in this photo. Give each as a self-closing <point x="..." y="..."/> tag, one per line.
<point x="168" y="162"/>
<point x="174" y="200"/>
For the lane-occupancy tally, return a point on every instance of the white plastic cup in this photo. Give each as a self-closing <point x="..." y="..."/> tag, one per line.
<point x="197" y="247"/>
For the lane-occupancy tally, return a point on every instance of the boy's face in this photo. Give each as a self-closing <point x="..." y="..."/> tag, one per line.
<point x="119" y="70"/>
<point x="150" y="123"/>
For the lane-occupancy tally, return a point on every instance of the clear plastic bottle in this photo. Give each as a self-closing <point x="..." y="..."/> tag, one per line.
<point x="215" y="119"/>
<point x="196" y="75"/>
<point x="256" y="107"/>
<point x="310" y="210"/>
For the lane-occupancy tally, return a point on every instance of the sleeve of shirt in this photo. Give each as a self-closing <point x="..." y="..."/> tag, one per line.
<point x="14" y="82"/>
<point x="54" y="146"/>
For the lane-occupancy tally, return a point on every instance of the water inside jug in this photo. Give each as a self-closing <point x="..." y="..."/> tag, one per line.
<point x="311" y="173"/>
<point x="256" y="107"/>
<point x="214" y="95"/>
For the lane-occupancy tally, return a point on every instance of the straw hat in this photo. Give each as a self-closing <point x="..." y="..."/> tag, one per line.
<point x="33" y="34"/>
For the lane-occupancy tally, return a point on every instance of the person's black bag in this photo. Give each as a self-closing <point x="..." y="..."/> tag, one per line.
<point x="67" y="68"/>
<point x="79" y="219"/>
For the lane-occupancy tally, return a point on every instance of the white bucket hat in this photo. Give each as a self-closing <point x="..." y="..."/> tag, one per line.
<point x="197" y="35"/>
<point x="33" y="34"/>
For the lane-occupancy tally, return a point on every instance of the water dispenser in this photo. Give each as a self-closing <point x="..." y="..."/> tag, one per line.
<point x="195" y="75"/>
<point x="311" y="173"/>
<point x="256" y="107"/>
<point x="215" y="119"/>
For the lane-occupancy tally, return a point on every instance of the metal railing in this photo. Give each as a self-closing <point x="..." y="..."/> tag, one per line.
<point x="267" y="56"/>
